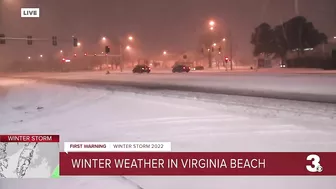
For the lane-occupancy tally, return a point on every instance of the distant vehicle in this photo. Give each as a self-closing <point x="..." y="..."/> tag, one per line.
<point x="282" y="65"/>
<point x="198" y="68"/>
<point x="181" y="68"/>
<point x="141" y="69"/>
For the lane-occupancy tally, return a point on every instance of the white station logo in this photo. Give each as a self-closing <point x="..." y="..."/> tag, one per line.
<point x="315" y="164"/>
<point x="30" y="12"/>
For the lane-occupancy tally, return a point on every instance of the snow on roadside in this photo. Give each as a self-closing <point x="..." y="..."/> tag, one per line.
<point x="87" y="114"/>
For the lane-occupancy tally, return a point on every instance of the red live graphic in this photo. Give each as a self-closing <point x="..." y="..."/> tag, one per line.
<point x="198" y="163"/>
<point x="29" y="138"/>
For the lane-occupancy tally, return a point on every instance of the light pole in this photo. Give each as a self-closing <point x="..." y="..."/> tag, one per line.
<point x="122" y="49"/>
<point x="164" y="59"/>
<point x="230" y="41"/>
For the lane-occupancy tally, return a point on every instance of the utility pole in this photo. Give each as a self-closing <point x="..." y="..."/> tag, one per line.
<point x="230" y="40"/>
<point x="121" y="58"/>
<point x="296" y="5"/>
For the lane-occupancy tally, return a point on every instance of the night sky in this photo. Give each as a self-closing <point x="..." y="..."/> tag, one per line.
<point x="157" y="25"/>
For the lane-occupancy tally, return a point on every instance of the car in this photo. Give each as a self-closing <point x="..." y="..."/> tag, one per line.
<point x="198" y="68"/>
<point x="141" y="69"/>
<point x="282" y="65"/>
<point x="181" y="68"/>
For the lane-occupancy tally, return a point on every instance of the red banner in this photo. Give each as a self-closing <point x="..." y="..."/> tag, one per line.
<point x="197" y="163"/>
<point x="29" y="138"/>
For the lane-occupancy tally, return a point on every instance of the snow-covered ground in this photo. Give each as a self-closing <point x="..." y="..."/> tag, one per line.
<point x="192" y="122"/>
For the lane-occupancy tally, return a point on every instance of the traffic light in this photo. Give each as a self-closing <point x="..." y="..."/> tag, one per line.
<point x="54" y="40"/>
<point x="2" y="39"/>
<point x="29" y="40"/>
<point x="107" y="49"/>
<point x="75" y="42"/>
<point x="333" y="54"/>
<point x="226" y="59"/>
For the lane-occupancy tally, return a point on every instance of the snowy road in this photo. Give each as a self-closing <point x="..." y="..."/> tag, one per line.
<point x="315" y="86"/>
<point x="191" y="121"/>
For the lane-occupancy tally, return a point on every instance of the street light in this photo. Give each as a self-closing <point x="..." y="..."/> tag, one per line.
<point x="214" y="44"/>
<point x="164" y="52"/>
<point x="41" y="55"/>
<point x="212" y="23"/>
<point x="334" y="37"/>
<point x="104" y="38"/>
<point x="28" y="57"/>
<point x="224" y="39"/>
<point x="78" y="44"/>
<point x="211" y="28"/>
<point x="61" y="51"/>
<point x="130" y="38"/>
<point x="128" y="47"/>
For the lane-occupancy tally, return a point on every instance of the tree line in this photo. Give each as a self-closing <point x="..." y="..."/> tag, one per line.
<point x="296" y="34"/>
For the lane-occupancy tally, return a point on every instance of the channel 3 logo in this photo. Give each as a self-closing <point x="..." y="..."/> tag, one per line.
<point x="315" y="165"/>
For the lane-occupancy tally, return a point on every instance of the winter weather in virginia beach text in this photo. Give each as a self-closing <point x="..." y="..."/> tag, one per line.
<point x="167" y="94"/>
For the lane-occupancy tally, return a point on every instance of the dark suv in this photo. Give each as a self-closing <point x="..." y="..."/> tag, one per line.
<point x="141" y="69"/>
<point x="181" y="68"/>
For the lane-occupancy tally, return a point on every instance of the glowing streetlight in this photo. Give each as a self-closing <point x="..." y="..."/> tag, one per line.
<point x="41" y="55"/>
<point x="102" y="52"/>
<point x="128" y="47"/>
<point x="104" y="38"/>
<point x="78" y="44"/>
<point x="130" y="38"/>
<point x="211" y="28"/>
<point x="214" y="44"/>
<point x="61" y="51"/>
<point x="224" y="39"/>
<point x="212" y="23"/>
<point x="164" y="52"/>
<point x="334" y="37"/>
<point x="28" y="57"/>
